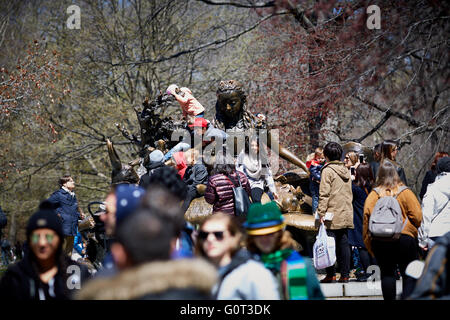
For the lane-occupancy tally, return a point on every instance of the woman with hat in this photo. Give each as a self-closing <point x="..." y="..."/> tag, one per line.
<point x="43" y="273"/>
<point x="268" y="239"/>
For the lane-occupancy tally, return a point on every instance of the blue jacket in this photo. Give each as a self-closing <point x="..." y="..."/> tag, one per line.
<point x="67" y="209"/>
<point x="315" y="172"/>
<point x="78" y="244"/>
<point x="355" y="235"/>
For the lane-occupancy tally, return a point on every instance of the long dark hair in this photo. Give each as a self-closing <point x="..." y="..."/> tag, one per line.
<point x="224" y="164"/>
<point x="386" y="149"/>
<point x="364" y="177"/>
<point x="262" y="154"/>
<point x="61" y="261"/>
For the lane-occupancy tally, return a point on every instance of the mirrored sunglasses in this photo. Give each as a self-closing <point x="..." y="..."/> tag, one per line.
<point x="36" y="236"/>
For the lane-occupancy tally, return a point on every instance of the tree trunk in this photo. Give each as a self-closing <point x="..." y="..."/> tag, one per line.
<point x="12" y="228"/>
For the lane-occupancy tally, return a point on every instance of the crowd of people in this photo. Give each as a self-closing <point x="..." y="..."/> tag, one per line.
<point x="138" y="245"/>
<point x="346" y="193"/>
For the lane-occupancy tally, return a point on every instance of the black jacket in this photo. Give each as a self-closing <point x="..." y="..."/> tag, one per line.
<point x="194" y="175"/>
<point x="145" y="179"/>
<point x="376" y="165"/>
<point x="429" y="178"/>
<point x="355" y="235"/>
<point x="21" y="281"/>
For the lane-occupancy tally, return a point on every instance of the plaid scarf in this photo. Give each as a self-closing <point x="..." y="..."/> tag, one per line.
<point x="292" y="269"/>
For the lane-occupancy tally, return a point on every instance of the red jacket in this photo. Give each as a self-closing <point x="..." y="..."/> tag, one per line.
<point x="219" y="191"/>
<point x="180" y="161"/>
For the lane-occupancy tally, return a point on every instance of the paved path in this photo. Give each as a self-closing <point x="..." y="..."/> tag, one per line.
<point x="355" y="290"/>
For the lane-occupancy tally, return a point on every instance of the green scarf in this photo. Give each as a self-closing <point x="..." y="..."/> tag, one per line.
<point x="272" y="261"/>
<point x="291" y="269"/>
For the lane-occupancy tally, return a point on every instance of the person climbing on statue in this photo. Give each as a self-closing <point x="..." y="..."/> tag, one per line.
<point x="188" y="103"/>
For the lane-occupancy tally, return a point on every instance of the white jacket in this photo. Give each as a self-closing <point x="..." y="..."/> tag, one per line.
<point x="265" y="177"/>
<point x="250" y="281"/>
<point x="435" y="210"/>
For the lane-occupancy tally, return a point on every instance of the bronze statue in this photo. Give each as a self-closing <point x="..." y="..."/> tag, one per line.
<point x="120" y="173"/>
<point x="155" y="129"/>
<point x="232" y="113"/>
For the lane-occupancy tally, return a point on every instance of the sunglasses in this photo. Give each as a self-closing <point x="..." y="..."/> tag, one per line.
<point x="203" y="235"/>
<point x="35" y="238"/>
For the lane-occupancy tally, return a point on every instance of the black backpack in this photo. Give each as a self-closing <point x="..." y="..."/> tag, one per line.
<point x="3" y="220"/>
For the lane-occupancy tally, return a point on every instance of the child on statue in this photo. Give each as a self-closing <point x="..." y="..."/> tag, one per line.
<point x="188" y="103"/>
<point x="314" y="166"/>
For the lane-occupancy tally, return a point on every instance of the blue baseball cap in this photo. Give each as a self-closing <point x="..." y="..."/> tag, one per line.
<point x="128" y="199"/>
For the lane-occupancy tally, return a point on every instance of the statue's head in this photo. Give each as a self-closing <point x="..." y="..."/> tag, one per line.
<point x="231" y="98"/>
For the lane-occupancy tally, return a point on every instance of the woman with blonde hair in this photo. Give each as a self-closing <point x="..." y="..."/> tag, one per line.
<point x="351" y="159"/>
<point x="240" y="277"/>
<point x="403" y="250"/>
<point x="351" y="162"/>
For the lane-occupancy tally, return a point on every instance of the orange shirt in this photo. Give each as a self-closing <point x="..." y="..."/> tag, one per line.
<point x="410" y="208"/>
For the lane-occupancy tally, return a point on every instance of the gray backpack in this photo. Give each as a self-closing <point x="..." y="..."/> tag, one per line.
<point x="386" y="221"/>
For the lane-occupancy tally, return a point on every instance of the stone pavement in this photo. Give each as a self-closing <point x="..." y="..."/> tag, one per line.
<point x="354" y="290"/>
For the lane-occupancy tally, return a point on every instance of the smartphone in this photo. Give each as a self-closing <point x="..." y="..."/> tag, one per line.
<point x="361" y="158"/>
<point x="352" y="170"/>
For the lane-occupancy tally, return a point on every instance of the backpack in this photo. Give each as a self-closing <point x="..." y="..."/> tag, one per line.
<point x="386" y="221"/>
<point x="3" y="220"/>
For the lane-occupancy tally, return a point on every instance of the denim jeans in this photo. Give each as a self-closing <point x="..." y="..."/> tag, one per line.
<point x="5" y="255"/>
<point x="314" y="188"/>
<point x="181" y="146"/>
<point x="257" y="194"/>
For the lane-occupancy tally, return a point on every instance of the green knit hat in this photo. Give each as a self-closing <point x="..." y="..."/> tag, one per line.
<point x="264" y="219"/>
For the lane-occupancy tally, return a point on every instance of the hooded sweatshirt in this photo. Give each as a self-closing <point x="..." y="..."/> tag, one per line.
<point x="335" y="195"/>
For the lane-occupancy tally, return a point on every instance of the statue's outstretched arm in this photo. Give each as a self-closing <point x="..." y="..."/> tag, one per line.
<point x="287" y="155"/>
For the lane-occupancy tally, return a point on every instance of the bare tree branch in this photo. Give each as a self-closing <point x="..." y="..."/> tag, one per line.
<point x="397" y="114"/>
<point x="199" y="48"/>
<point x="387" y="115"/>
<point x="94" y="167"/>
<point x="79" y="185"/>
<point x="258" y="4"/>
